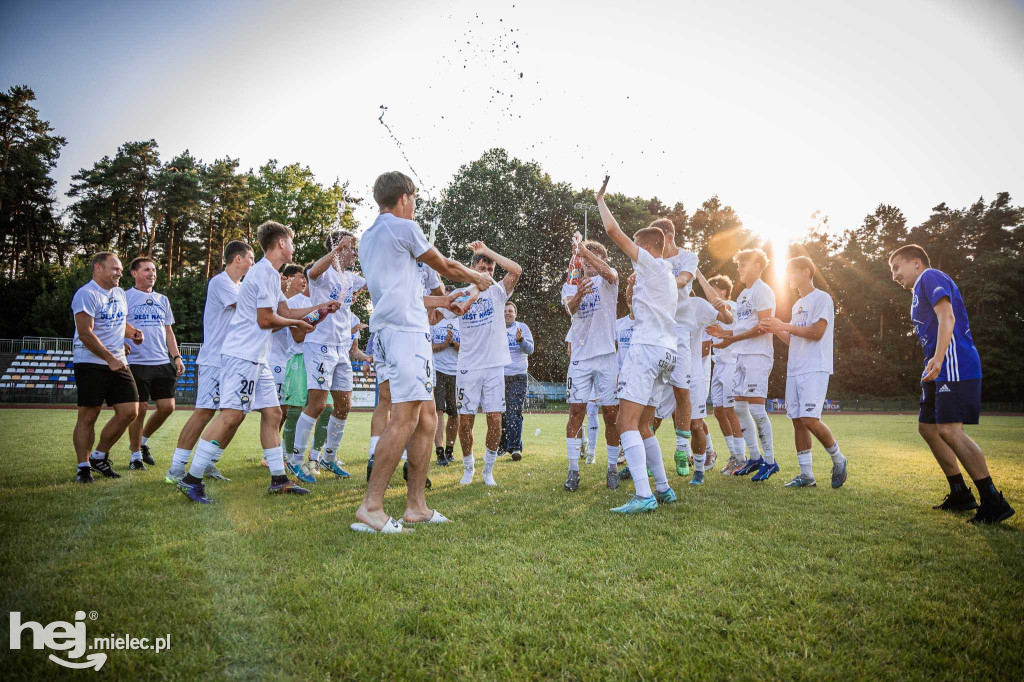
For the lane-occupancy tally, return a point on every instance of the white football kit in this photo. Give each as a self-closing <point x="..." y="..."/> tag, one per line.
<point x="810" y="362"/>
<point x="221" y="296"/>
<point x="724" y="369"/>
<point x="684" y="261"/>
<point x="593" y="365"/>
<point x="326" y="348"/>
<point x="483" y="354"/>
<point x="754" y="357"/>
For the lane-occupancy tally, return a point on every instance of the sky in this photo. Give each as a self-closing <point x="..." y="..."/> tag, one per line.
<point x="785" y="110"/>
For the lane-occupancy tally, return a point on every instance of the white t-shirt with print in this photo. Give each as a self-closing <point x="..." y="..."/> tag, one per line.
<point x="295" y="302"/>
<point x="221" y="296"/>
<point x="335" y="329"/>
<point x="684" y="261"/>
<point x="805" y="355"/>
<point x="482" y="329"/>
<point x="151" y="313"/>
<point x="592" y="330"/>
<point x="388" y="251"/>
<point x="751" y="300"/>
<point x="725" y="356"/>
<point x="623" y="336"/>
<point x="446" y="361"/>
<point x="654" y="302"/>
<point x="704" y="314"/>
<point x="108" y="309"/>
<point x="261" y="288"/>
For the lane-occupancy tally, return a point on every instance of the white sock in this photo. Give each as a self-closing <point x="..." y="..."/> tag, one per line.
<point x="468" y="466"/>
<point x="205" y="452"/>
<point x="314" y="455"/>
<point x="216" y="458"/>
<point x="593" y="428"/>
<point x="764" y="431"/>
<point x="490" y="457"/>
<point x="749" y="428"/>
<point x="682" y="442"/>
<point x="97" y="455"/>
<point x="145" y="439"/>
<point x="405" y="455"/>
<point x="136" y="456"/>
<point x="275" y="460"/>
<point x="698" y="460"/>
<point x="373" y="445"/>
<point x="833" y="452"/>
<point x="572" y="450"/>
<point x="804" y="460"/>
<point x="179" y="460"/>
<point x="303" y="432"/>
<point x="613" y="457"/>
<point x="636" y="460"/>
<point x="335" y="432"/>
<point x="730" y="446"/>
<point x="652" y="452"/>
<point x="711" y="445"/>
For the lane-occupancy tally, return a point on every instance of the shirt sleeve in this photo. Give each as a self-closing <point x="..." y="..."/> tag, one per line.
<point x="225" y="295"/>
<point x="410" y="236"/>
<point x="644" y="262"/>
<point x="170" y="314"/>
<point x="527" y="345"/>
<point x="358" y="283"/>
<point x="83" y="303"/>
<point x="688" y="262"/>
<point x="764" y="299"/>
<point x="499" y="294"/>
<point x="268" y="296"/>
<point x="824" y="309"/>
<point x="935" y="287"/>
<point x="568" y="291"/>
<point x="433" y="280"/>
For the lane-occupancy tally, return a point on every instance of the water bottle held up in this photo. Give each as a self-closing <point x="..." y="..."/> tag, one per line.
<point x="315" y="316"/>
<point x="576" y="262"/>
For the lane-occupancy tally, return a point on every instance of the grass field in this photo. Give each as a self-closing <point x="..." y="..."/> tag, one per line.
<point x="737" y="580"/>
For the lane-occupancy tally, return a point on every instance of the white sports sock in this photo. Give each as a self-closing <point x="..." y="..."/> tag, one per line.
<point x="373" y="445"/>
<point x="636" y="460"/>
<point x="835" y="454"/>
<point x="205" y="452"/>
<point x="405" y="455"/>
<point x="490" y="457"/>
<point x="335" y="432"/>
<point x="468" y="466"/>
<point x="145" y="439"/>
<point x="652" y="453"/>
<point x="216" y="455"/>
<point x="698" y="460"/>
<point x="613" y="457"/>
<point x="572" y="451"/>
<point x="137" y="455"/>
<point x="711" y="444"/>
<point x="683" y="441"/>
<point x="749" y="427"/>
<point x="593" y="427"/>
<point x="730" y="446"/>
<point x="764" y="431"/>
<point x="804" y="460"/>
<point x="179" y="460"/>
<point x="303" y="432"/>
<point x="275" y="460"/>
<point x="314" y="455"/>
<point x="97" y="455"/>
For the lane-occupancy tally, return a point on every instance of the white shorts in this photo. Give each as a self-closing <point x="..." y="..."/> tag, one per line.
<point x="721" y="384"/>
<point x="593" y="379"/>
<point x="750" y="378"/>
<point x="645" y="375"/>
<point x="208" y="388"/>
<point x="328" y="367"/>
<point x="408" y="365"/>
<point x="480" y="388"/>
<point x="699" y="399"/>
<point x="681" y="374"/>
<point x="246" y="385"/>
<point x="277" y="367"/>
<point x="805" y="394"/>
<point x="666" y="404"/>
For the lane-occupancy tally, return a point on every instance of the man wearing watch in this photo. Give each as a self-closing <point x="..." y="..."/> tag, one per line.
<point x="155" y="363"/>
<point x="444" y="341"/>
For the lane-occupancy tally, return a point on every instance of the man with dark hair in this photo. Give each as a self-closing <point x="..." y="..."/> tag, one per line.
<point x="520" y="347"/>
<point x="809" y="336"/>
<point x="221" y="297"/>
<point x="156" y="363"/>
<point x="245" y="377"/>
<point x="950" y="383"/>
<point x="445" y="344"/>
<point x="388" y="251"/>
<point x="101" y="372"/>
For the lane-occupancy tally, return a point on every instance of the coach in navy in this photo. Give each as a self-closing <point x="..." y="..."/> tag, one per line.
<point x="950" y="384"/>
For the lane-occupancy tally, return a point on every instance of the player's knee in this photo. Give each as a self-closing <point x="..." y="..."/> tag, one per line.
<point x="949" y="432"/>
<point x="926" y="430"/>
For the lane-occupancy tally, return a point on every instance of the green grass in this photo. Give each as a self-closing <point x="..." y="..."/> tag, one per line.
<point x="736" y="580"/>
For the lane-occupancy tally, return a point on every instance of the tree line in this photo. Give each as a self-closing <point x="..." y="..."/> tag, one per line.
<point x="183" y="210"/>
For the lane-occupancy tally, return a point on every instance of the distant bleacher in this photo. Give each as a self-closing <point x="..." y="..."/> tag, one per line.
<point x="40" y="369"/>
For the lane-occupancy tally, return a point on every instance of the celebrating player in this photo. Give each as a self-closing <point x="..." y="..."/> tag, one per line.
<point x="950" y="383"/>
<point x="221" y="297"/>
<point x="155" y="363"/>
<point x="483" y="355"/>
<point x="101" y="372"/>
<point x="520" y="347"/>
<point x="445" y="345"/>
<point x="721" y="385"/>
<point x="809" y="335"/>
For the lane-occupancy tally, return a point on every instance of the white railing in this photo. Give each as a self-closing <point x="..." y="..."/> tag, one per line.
<point x="65" y="344"/>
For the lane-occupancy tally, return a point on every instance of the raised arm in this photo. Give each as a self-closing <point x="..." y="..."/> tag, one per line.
<point x="453" y="270"/>
<point x="606" y="271"/>
<point x="622" y="241"/>
<point x="513" y="271"/>
<point x="344" y="252"/>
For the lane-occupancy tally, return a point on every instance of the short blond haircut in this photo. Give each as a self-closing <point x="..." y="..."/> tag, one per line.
<point x="747" y="254"/>
<point x="802" y="263"/>
<point x="596" y="247"/>
<point x="652" y="236"/>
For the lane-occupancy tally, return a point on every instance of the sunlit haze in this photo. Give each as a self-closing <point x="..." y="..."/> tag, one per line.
<point x="782" y="109"/>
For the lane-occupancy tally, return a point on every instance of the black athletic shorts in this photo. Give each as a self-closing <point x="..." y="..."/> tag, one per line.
<point x="444" y="394"/>
<point x="950" y="402"/>
<point x="97" y="384"/>
<point x="155" y="382"/>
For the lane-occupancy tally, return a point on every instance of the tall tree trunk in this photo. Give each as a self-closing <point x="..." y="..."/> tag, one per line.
<point x="209" y="246"/>
<point x="170" y="251"/>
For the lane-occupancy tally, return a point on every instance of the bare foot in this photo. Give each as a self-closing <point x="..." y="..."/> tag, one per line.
<point x="375" y="519"/>
<point x="417" y="515"/>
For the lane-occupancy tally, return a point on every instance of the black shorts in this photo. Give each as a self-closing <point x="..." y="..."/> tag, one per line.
<point x="950" y="402"/>
<point x="98" y="383"/>
<point x="444" y="394"/>
<point x="155" y="382"/>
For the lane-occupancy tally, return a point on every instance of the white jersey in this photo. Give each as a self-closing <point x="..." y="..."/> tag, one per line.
<point x="261" y="288"/>
<point x="623" y="336"/>
<point x="388" y="251"/>
<point x="704" y="314"/>
<point x="805" y="355"/>
<point x="296" y="302"/>
<point x="151" y="313"/>
<point x="654" y="302"/>
<point x="518" y="352"/>
<point x="429" y="277"/>
<point x="684" y="261"/>
<point x="750" y="301"/>
<point x="334" y="330"/>
<point x="592" y="332"/>
<point x="446" y="361"/>
<point x="108" y="310"/>
<point x="725" y="355"/>
<point x="484" y="343"/>
<point x="221" y="296"/>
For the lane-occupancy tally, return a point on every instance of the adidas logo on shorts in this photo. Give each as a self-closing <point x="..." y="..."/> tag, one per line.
<point x="944" y="389"/>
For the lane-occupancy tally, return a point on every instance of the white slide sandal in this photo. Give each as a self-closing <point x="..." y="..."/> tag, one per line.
<point x="390" y="526"/>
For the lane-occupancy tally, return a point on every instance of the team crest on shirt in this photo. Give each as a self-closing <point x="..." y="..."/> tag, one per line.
<point x="320" y="380"/>
<point x="277" y="369"/>
<point x="323" y="349"/>
<point x="245" y="399"/>
<point x="216" y="400"/>
<point x="429" y="386"/>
